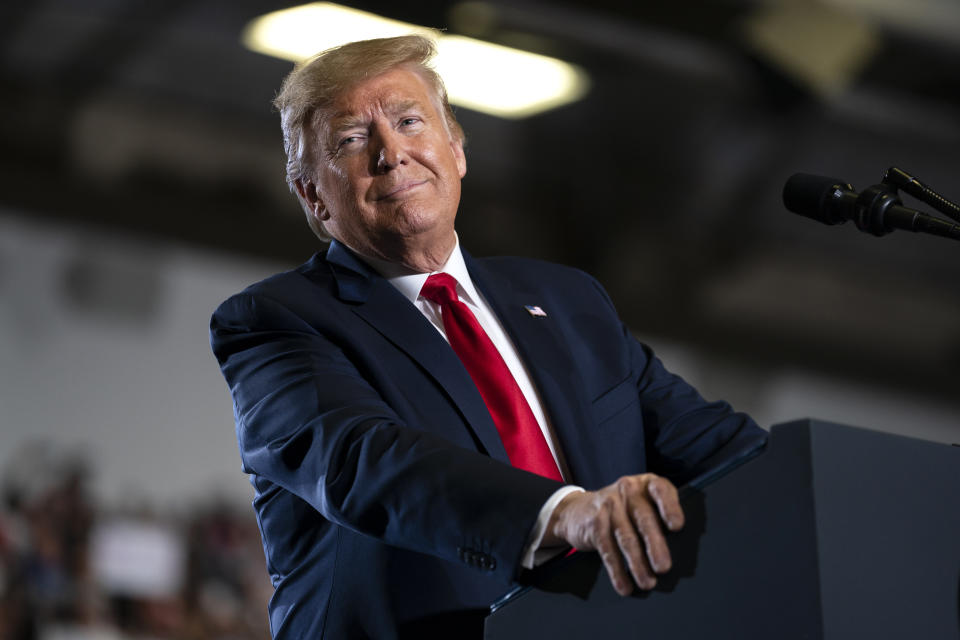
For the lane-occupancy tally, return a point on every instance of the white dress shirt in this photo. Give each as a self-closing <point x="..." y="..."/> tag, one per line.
<point x="410" y="284"/>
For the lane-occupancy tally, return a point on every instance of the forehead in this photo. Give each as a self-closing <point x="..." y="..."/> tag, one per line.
<point x="395" y="89"/>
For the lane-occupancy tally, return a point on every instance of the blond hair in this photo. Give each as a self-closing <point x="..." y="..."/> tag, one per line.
<point x="313" y="86"/>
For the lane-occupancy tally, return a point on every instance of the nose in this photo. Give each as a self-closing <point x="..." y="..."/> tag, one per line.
<point x="390" y="154"/>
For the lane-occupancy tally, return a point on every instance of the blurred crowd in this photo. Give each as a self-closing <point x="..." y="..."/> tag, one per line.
<point x="70" y="570"/>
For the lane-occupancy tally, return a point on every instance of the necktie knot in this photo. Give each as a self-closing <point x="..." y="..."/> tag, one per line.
<point x="440" y="288"/>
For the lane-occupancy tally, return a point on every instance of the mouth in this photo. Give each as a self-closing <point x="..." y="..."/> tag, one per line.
<point x="401" y="189"/>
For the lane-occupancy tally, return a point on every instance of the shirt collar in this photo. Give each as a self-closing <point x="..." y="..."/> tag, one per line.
<point x="410" y="284"/>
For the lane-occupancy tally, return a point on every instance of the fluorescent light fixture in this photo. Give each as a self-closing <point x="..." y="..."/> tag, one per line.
<point x="485" y="77"/>
<point x="300" y="32"/>
<point x="505" y="82"/>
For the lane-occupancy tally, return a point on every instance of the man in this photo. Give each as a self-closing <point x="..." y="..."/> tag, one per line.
<point x="411" y="439"/>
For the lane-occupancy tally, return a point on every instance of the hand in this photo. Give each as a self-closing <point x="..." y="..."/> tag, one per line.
<point x="621" y="521"/>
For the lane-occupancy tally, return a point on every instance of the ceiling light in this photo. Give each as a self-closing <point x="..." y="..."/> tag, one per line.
<point x="485" y="77"/>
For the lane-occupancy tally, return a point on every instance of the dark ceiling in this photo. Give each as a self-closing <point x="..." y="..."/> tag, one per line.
<point x="664" y="182"/>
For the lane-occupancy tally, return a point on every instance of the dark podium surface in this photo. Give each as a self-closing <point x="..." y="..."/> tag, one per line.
<point x="832" y="532"/>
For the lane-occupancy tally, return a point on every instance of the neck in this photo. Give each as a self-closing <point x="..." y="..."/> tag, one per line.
<point x="416" y="257"/>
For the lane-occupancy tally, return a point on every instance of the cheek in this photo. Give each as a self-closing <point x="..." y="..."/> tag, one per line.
<point x="443" y="163"/>
<point x="340" y="191"/>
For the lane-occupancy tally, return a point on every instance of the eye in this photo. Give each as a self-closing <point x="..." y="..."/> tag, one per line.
<point x="408" y="121"/>
<point x="349" y="143"/>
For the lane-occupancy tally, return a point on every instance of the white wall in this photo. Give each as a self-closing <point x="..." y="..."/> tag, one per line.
<point x="122" y="368"/>
<point x="777" y="395"/>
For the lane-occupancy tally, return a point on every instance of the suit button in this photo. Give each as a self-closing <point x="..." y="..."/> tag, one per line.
<point x="468" y="556"/>
<point x="476" y="559"/>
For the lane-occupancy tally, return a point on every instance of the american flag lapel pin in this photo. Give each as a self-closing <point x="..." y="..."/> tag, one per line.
<point x="535" y="311"/>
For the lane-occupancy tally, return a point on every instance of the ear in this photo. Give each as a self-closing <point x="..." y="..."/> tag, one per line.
<point x="310" y="194"/>
<point x="457" y="146"/>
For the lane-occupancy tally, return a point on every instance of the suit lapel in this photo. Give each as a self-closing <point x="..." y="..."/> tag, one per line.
<point x="545" y="354"/>
<point x="384" y="308"/>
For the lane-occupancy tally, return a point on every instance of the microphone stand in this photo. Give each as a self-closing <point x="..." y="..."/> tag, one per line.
<point x="898" y="178"/>
<point x="879" y="210"/>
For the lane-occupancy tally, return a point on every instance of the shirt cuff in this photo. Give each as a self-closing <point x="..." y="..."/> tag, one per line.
<point x="533" y="555"/>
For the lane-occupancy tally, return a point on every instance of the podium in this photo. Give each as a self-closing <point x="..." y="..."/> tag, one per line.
<point x="832" y="532"/>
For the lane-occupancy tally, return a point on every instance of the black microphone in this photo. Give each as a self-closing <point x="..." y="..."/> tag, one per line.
<point x="876" y="210"/>
<point x="823" y="199"/>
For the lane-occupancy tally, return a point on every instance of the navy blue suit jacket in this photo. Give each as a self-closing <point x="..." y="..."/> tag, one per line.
<point x="383" y="492"/>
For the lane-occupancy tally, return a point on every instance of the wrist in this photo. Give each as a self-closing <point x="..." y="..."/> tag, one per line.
<point x="551" y="534"/>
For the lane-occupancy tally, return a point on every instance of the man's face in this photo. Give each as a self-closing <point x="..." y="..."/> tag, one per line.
<point x="386" y="173"/>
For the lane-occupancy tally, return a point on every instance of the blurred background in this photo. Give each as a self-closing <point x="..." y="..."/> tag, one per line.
<point x="142" y="183"/>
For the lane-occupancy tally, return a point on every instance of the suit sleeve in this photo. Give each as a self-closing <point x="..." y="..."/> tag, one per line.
<point x="308" y="421"/>
<point x="685" y="435"/>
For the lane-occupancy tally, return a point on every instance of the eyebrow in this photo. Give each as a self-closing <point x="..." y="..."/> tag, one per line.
<point x="342" y="121"/>
<point x="398" y="107"/>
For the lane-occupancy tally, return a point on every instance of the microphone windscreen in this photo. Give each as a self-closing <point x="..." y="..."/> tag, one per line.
<point x="811" y="196"/>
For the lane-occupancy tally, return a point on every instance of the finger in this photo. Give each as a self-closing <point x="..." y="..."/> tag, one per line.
<point x="665" y="496"/>
<point x="632" y="551"/>
<point x="647" y="522"/>
<point x="609" y="550"/>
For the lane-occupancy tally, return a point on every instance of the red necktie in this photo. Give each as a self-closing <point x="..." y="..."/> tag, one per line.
<point x="521" y="435"/>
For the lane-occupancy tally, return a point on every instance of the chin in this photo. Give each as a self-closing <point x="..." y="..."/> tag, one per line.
<point x="415" y="221"/>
